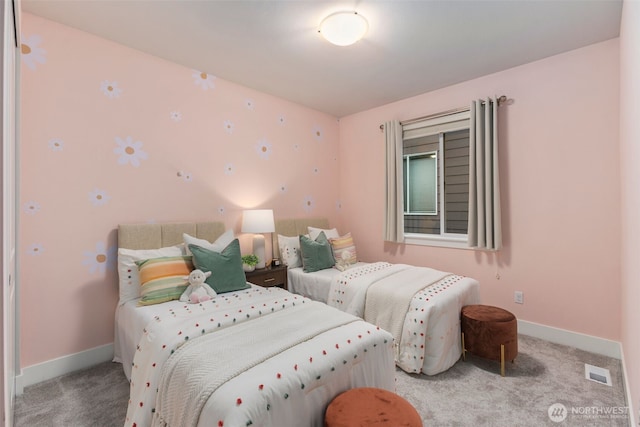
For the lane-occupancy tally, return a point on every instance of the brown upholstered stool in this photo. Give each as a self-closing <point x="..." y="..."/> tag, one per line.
<point x="367" y="406"/>
<point x="489" y="332"/>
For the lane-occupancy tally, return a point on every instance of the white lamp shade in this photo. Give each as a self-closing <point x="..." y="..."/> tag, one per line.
<point x="344" y="28"/>
<point x="258" y="221"/>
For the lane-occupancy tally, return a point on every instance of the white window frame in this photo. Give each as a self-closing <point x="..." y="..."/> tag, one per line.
<point x="460" y="121"/>
<point x="432" y="154"/>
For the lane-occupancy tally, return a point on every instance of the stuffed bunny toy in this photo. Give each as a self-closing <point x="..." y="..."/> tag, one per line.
<point x="197" y="291"/>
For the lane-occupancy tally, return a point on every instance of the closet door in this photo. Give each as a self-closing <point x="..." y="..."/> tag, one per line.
<point x="10" y="70"/>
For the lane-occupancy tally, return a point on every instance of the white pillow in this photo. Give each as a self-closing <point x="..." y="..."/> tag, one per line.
<point x="329" y="233"/>
<point x="217" y="246"/>
<point x="128" y="275"/>
<point x="290" y="250"/>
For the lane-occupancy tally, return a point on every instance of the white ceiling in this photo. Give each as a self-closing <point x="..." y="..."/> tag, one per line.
<point x="412" y="47"/>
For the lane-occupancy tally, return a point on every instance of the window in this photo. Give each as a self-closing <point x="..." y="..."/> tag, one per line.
<point x="421" y="183"/>
<point x="436" y="178"/>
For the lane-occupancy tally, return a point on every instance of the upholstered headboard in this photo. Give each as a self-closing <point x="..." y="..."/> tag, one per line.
<point x="295" y="227"/>
<point x="154" y="236"/>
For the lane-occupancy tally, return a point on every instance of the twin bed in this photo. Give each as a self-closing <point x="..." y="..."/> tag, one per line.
<point x="418" y="305"/>
<point x="265" y="356"/>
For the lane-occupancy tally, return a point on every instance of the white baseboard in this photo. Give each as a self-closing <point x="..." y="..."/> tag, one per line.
<point x="63" y="365"/>
<point x="584" y="342"/>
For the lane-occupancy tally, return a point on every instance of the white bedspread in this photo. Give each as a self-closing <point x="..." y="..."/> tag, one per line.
<point x="197" y="369"/>
<point x="313" y="285"/>
<point x="348" y="291"/>
<point x="388" y="299"/>
<point x="430" y="338"/>
<point x="291" y="388"/>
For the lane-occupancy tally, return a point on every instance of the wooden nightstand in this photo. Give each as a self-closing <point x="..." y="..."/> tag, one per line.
<point x="270" y="276"/>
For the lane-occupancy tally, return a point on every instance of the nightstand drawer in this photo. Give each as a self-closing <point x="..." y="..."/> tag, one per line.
<point x="267" y="277"/>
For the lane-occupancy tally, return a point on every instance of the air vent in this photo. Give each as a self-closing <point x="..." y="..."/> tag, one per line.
<point x="599" y="375"/>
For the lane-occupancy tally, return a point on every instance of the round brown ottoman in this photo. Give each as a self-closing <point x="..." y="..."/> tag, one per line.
<point x="368" y="406"/>
<point x="489" y="332"/>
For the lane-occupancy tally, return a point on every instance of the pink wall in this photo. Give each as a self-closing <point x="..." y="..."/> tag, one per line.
<point x="559" y="165"/>
<point x="236" y="148"/>
<point x="559" y="181"/>
<point x="630" y="174"/>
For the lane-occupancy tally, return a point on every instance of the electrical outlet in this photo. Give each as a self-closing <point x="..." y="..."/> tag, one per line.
<point x="518" y="297"/>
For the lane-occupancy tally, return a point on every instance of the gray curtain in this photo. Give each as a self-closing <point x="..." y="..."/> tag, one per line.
<point x="394" y="213"/>
<point x="485" y="231"/>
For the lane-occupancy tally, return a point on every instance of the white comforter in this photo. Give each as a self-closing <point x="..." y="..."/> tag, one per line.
<point x="429" y="340"/>
<point x="291" y="388"/>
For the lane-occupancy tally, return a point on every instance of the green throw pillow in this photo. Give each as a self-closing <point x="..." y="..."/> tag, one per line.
<point x="316" y="254"/>
<point x="226" y="267"/>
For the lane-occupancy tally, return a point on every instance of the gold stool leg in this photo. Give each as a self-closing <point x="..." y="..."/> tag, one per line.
<point x="464" y="358"/>
<point x="502" y="359"/>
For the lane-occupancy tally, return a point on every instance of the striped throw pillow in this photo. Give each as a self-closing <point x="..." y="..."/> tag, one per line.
<point x="344" y="251"/>
<point x="163" y="279"/>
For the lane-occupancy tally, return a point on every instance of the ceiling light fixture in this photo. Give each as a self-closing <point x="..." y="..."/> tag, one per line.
<point x="343" y="28"/>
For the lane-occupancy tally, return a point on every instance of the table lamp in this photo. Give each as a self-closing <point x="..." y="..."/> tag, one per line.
<point x="258" y="221"/>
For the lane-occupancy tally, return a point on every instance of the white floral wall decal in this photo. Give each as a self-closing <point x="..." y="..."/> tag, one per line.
<point x="31" y="52"/>
<point x="203" y="80"/>
<point x="317" y="133"/>
<point x="283" y="188"/>
<point x="110" y="89"/>
<point x="98" y="197"/>
<point x="35" y="249"/>
<point x="99" y="259"/>
<point x="282" y="120"/>
<point x="221" y="210"/>
<point x="186" y="176"/>
<point x="229" y="169"/>
<point x="249" y="104"/>
<point x="31" y="207"/>
<point x="308" y="204"/>
<point x="129" y="152"/>
<point x="55" y="144"/>
<point x="263" y="148"/>
<point x="176" y="116"/>
<point x="229" y="126"/>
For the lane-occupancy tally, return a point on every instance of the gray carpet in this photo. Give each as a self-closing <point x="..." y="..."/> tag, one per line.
<point x="471" y="393"/>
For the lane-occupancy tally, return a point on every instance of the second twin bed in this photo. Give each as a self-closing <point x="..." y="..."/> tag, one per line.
<point x="420" y="306"/>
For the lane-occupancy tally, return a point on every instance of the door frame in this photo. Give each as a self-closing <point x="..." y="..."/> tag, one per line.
<point x="10" y="202"/>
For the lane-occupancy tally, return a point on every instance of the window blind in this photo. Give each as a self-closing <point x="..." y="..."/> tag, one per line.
<point x="448" y="123"/>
